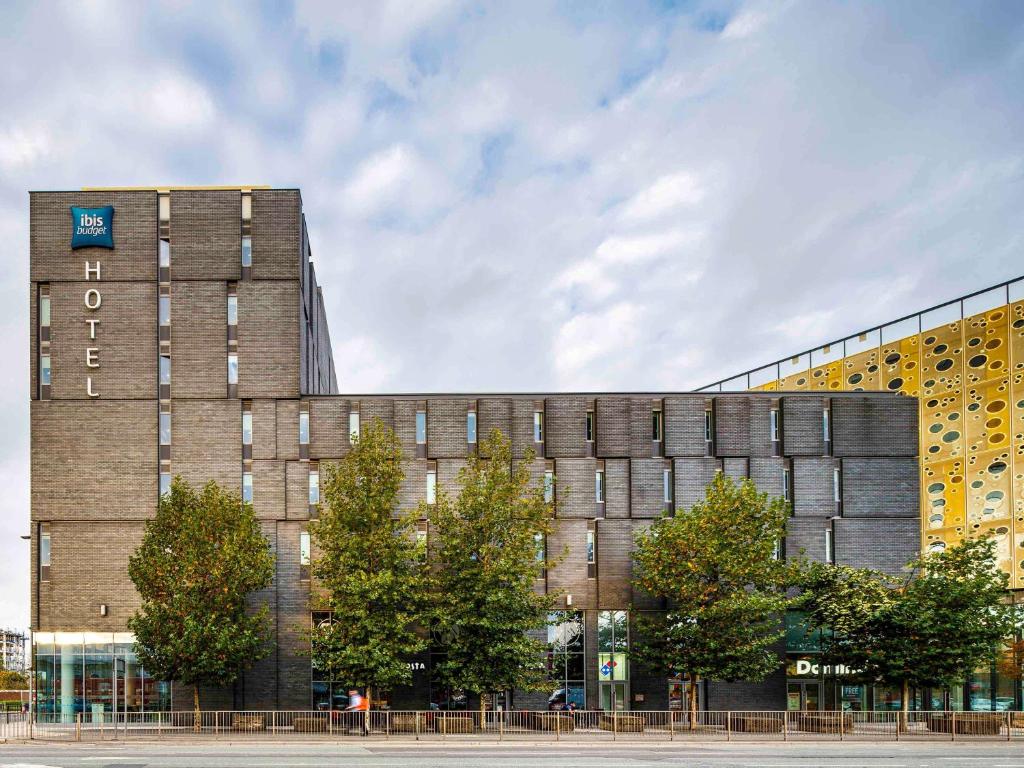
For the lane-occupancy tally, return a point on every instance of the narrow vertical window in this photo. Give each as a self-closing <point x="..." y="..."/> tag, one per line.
<point x="826" y="428"/>
<point x="837" y="485"/>
<point x="165" y="370"/>
<point x="44" y="555"/>
<point x="314" y="484"/>
<point x="599" y="486"/>
<point x="432" y="485"/>
<point x="232" y="309"/>
<point x="44" y="370"/>
<point x="421" y="427"/>
<point x="246" y="251"/>
<point x="538" y="426"/>
<point x="777" y="550"/>
<point x="165" y="253"/>
<point x="44" y="307"/>
<point x="829" y="553"/>
<point x="471" y="427"/>
<point x="353" y="427"/>
<point x="656" y="424"/>
<point x="247" y="427"/>
<point x="303" y="427"/>
<point x="591" y="553"/>
<point x="165" y="429"/>
<point x="304" y="555"/>
<point x="538" y="542"/>
<point x="247" y="487"/>
<point x="165" y="483"/>
<point x="590" y="426"/>
<point x="774" y="424"/>
<point x="165" y="310"/>
<point x="232" y="368"/>
<point x="787" y="484"/>
<point x="709" y="428"/>
<point x="549" y="486"/>
<point x="666" y="484"/>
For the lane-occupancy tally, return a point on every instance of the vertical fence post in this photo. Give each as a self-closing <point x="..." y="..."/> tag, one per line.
<point x="159" y="725"/>
<point x="785" y="726"/>
<point x="952" y="726"/>
<point x="1009" y="724"/>
<point x="273" y="722"/>
<point x="671" y="725"/>
<point x="558" y="725"/>
<point x="728" y="725"/>
<point x="615" y="725"/>
<point x="501" y="725"/>
<point x="842" y="719"/>
<point x="78" y="727"/>
<point x="416" y="724"/>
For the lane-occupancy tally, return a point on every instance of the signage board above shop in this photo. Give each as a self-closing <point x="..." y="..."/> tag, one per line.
<point x="92" y="227"/>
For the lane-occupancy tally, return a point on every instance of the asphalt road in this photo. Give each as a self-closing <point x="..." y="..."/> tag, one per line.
<point x="749" y="755"/>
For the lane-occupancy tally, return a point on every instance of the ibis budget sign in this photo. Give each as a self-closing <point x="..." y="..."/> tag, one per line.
<point x="92" y="227"/>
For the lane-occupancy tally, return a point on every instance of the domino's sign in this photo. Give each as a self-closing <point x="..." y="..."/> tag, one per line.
<point x="92" y="227"/>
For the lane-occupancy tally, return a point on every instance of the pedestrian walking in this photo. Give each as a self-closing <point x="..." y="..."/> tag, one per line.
<point x="360" y="706"/>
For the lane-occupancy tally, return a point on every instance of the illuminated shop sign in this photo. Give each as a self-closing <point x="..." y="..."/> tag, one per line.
<point x="92" y="227"/>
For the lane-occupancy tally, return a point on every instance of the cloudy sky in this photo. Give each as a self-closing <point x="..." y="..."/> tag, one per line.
<point x="526" y="196"/>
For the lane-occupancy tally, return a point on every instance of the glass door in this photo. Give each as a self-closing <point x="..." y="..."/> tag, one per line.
<point x="614" y="696"/>
<point x="803" y="696"/>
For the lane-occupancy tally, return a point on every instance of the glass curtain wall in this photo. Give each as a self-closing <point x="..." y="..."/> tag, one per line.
<point x="565" y="660"/>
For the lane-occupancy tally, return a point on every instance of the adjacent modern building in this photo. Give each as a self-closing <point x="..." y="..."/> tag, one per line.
<point x="181" y="332"/>
<point x="12" y="650"/>
<point x="964" y="362"/>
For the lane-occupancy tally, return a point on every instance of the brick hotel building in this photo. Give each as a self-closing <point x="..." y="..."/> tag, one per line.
<point x="197" y="345"/>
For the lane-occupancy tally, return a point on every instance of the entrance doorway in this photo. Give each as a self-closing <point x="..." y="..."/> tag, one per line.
<point x="803" y="696"/>
<point x="615" y="696"/>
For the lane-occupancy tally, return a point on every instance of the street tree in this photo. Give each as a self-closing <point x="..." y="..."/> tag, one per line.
<point x="717" y="569"/>
<point x="200" y="559"/>
<point x="486" y="552"/>
<point x="369" y="568"/>
<point x="946" y="618"/>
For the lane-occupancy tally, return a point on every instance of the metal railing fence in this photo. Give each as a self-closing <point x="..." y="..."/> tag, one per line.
<point x="521" y="724"/>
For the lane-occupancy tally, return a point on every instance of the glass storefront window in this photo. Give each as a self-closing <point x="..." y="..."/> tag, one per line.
<point x="565" y="660"/>
<point x="92" y="674"/>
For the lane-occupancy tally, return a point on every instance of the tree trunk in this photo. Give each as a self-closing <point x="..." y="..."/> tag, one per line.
<point x="197" y="717"/>
<point x="904" y="706"/>
<point x="692" y="700"/>
<point x="483" y="710"/>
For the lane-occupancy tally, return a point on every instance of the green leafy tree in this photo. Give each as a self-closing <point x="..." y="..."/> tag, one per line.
<point x="716" y="567"/>
<point x="947" y="618"/>
<point x="369" y="567"/>
<point x="485" y="558"/>
<point x="200" y="558"/>
<point x="12" y="680"/>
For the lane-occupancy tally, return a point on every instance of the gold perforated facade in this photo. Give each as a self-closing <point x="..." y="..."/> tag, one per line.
<point x="964" y="360"/>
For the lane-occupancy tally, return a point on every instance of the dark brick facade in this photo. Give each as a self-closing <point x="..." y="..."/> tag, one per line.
<point x="95" y="461"/>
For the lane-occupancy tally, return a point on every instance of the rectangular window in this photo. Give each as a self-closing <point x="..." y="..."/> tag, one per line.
<point x="591" y="555"/>
<point x="232" y="309"/>
<point x="304" y="555"/>
<point x="599" y="486"/>
<point x="165" y="429"/>
<point x="165" y="310"/>
<point x="826" y="429"/>
<point x="303" y="427"/>
<point x="44" y="311"/>
<point x="777" y="550"/>
<point x="314" y="486"/>
<point x="232" y="368"/>
<point x="829" y="554"/>
<point x="538" y="540"/>
<point x="538" y="426"/>
<point x="837" y="485"/>
<point x="44" y="370"/>
<point x="165" y="252"/>
<point x="246" y="427"/>
<point x="44" y="550"/>
<point x="709" y="426"/>
<point x="431" y="486"/>
<point x="421" y="427"/>
<point x="656" y="426"/>
<point x="471" y="427"/>
<point x="246" y="251"/>
<point x="549" y="486"/>
<point x="590" y="426"/>
<point x="165" y="369"/>
<point x="165" y="483"/>
<point x="247" y="487"/>
<point x="353" y="426"/>
<point x="774" y="426"/>
<point x="666" y="484"/>
<point x="787" y="484"/>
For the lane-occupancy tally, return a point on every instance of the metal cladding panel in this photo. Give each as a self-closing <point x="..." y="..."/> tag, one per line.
<point x="802" y="429"/>
<point x="612" y="425"/>
<point x="812" y="486"/>
<point x="684" y="425"/>
<point x="732" y="426"/>
<point x="565" y="418"/>
<point x="874" y="426"/>
<point x="880" y="487"/>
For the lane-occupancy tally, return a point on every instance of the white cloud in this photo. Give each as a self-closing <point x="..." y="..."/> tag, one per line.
<point x="175" y="102"/>
<point x="23" y="147"/>
<point x="362" y="365"/>
<point x="667" y="194"/>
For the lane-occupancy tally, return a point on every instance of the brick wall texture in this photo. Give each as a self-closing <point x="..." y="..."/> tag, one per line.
<point x="95" y="460"/>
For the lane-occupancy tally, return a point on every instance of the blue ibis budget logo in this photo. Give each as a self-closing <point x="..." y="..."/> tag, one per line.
<point x="92" y="227"/>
